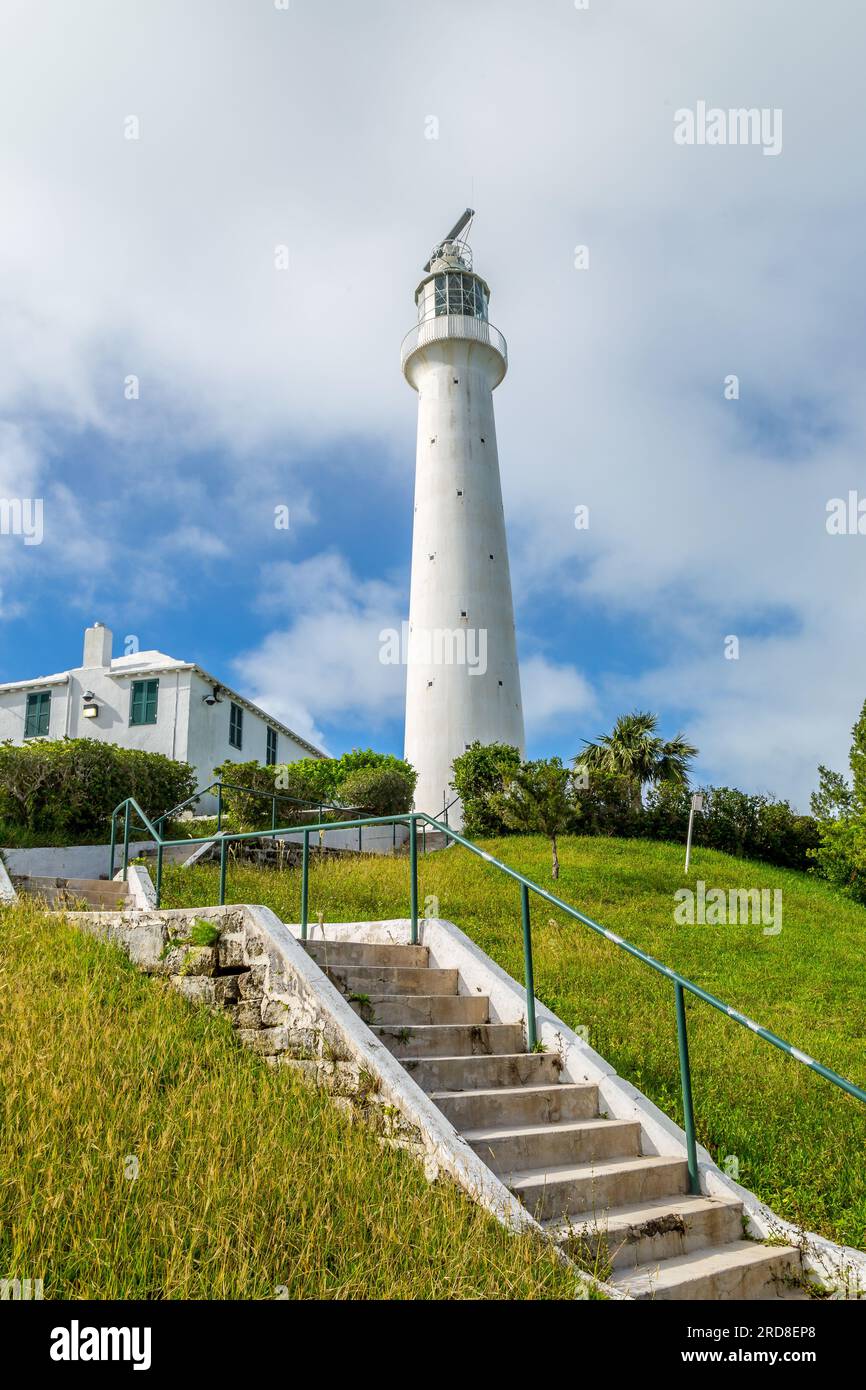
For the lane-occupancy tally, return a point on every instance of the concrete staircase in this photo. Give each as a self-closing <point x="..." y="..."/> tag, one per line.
<point x="626" y="1215"/>
<point x="103" y="894"/>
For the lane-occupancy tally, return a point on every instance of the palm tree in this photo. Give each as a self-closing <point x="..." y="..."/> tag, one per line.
<point x="538" y="800"/>
<point x="636" y="752"/>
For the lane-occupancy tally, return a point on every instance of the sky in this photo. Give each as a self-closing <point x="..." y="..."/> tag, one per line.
<point x="214" y="218"/>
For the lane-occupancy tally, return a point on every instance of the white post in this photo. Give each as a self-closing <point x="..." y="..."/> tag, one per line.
<point x="697" y="805"/>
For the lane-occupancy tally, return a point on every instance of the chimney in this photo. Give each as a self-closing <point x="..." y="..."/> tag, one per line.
<point x="97" y="645"/>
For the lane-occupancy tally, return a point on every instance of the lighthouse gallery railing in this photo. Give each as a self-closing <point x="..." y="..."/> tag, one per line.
<point x="440" y="326"/>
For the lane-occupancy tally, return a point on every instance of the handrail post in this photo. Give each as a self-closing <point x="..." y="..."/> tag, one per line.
<point x="113" y="844"/>
<point x="273" y="813"/>
<point x="305" y="885"/>
<point x="159" y="850"/>
<point x="529" y="976"/>
<point x="686" y="1080"/>
<point x="219" y="807"/>
<point x="125" y="839"/>
<point x="413" y="878"/>
<point x="224" y="844"/>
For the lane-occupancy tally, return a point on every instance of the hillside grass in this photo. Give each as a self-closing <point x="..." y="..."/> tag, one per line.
<point x="250" y="1185"/>
<point x="797" y="1140"/>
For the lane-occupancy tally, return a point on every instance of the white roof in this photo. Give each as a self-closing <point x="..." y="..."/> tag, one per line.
<point x="152" y="660"/>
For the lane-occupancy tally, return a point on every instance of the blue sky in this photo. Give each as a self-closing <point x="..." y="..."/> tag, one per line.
<point x="308" y="129"/>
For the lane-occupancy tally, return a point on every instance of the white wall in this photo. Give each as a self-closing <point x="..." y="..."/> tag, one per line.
<point x="13" y="709"/>
<point x="112" y="694"/>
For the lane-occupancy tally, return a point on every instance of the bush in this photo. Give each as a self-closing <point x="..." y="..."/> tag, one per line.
<point x="480" y="775"/>
<point x="252" y="809"/>
<point x="379" y="791"/>
<point x="314" y="782"/>
<point x="605" y="806"/>
<point x="749" y="826"/>
<point x="840" y="856"/>
<point x="71" y="786"/>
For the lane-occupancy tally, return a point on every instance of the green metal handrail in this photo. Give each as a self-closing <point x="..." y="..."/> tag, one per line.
<point x="680" y="982"/>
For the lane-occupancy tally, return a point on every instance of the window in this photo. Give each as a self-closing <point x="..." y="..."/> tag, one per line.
<point x="459" y="294"/>
<point x="271" y="755"/>
<point x="452" y="292"/>
<point x="38" y="714"/>
<point x="236" y="726"/>
<point x="143" y="702"/>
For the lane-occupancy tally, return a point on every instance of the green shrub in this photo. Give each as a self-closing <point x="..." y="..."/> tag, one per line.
<point x="750" y="826"/>
<point x="70" y="786"/>
<point x="314" y="782"/>
<point x="840" y="856"/>
<point x="605" y="806"/>
<point x="380" y="791"/>
<point x="480" y="775"/>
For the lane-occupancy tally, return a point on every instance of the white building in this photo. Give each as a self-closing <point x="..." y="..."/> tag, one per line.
<point x="463" y="682"/>
<point x="150" y="701"/>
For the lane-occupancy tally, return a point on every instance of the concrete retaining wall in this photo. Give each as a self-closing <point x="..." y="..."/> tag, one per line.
<point x="67" y="861"/>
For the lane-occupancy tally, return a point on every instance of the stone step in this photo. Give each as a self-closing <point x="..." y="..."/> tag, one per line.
<point x="646" y="1232"/>
<point x="508" y="1149"/>
<point x="422" y="1008"/>
<point x="84" y="885"/>
<point x="347" y="953"/>
<point x="740" y="1269"/>
<point x="562" y="1190"/>
<point x="451" y="1039"/>
<point x="104" y="894"/>
<point x="473" y="1073"/>
<point x="516" y="1105"/>
<point x="392" y="979"/>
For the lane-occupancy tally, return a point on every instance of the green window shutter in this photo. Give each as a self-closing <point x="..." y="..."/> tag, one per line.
<point x="38" y="714"/>
<point x="236" y="726"/>
<point x="271" y="756"/>
<point x="144" y="701"/>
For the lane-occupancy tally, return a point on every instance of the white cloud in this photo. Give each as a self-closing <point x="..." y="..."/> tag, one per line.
<point x="325" y="665"/>
<point x="554" y="698"/>
<point x="195" y="542"/>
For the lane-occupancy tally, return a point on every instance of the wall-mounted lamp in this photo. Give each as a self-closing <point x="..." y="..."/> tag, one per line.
<point x="90" y="708"/>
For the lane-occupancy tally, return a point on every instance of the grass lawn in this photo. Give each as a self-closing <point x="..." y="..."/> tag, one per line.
<point x="248" y="1182"/>
<point x="799" y="1142"/>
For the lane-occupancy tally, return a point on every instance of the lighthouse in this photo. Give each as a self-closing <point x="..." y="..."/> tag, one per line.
<point x="463" y="682"/>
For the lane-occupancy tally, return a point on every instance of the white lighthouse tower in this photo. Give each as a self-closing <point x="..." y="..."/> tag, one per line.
<point x="463" y="681"/>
